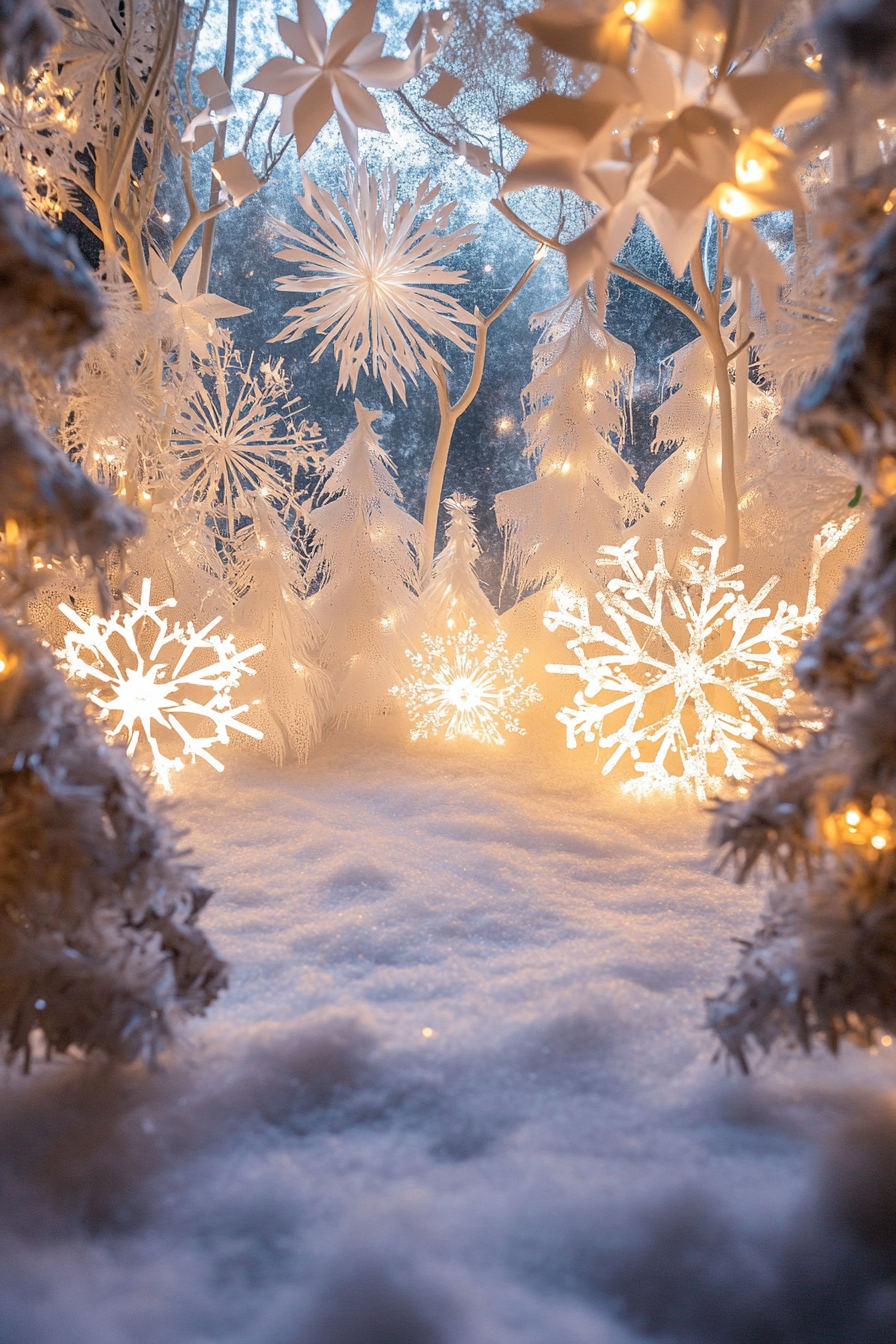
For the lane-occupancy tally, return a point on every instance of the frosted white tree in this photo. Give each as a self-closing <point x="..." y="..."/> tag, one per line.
<point x="584" y="493"/>
<point x="375" y="260"/>
<point x="293" y="690"/>
<point x="363" y="556"/>
<point x="465" y="686"/>
<point x="454" y="594"/>
<point x="690" y="672"/>
<point x="171" y="683"/>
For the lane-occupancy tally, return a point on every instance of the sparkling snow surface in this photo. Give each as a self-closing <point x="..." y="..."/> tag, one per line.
<point x="459" y="1092"/>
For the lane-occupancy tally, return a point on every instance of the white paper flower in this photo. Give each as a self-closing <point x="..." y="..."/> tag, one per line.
<point x="374" y="260"/>
<point x="330" y="76"/>
<point x="196" y="314"/>
<point x="465" y="686"/>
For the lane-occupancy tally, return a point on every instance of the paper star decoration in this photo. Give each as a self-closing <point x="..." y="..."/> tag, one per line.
<point x="374" y="259"/>
<point x="335" y="75"/>
<point x="195" y="314"/>
<point x="465" y="687"/>
<point x="120" y="659"/>
<point x="688" y="670"/>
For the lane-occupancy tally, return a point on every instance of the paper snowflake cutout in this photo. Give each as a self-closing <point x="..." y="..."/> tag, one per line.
<point x="375" y="271"/>
<point x="465" y="687"/>
<point x="335" y="75"/>
<point x="236" y="435"/>
<point x="689" y="669"/>
<point x="159" y="682"/>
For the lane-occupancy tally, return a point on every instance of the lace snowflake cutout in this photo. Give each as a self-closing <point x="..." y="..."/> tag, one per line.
<point x="465" y="687"/>
<point x="689" y="671"/>
<point x="376" y="273"/>
<point x="121" y="658"/>
<point x="236" y="435"/>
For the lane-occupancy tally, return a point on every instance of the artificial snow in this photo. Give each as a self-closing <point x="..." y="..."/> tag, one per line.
<point x="459" y="1091"/>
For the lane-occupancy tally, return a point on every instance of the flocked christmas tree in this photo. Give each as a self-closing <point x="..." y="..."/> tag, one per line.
<point x="99" y="947"/>
<point x="454" y="595"/>
<point x="822" y="965"/>
<point x="363" y="560"/>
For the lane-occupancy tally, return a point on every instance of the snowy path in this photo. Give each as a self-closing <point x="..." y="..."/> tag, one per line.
<point x="458" y="1094"/>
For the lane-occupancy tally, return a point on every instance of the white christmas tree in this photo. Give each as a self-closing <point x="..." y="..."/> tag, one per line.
<point x="689" y="671"/>
<point x="364" y="550"/>
<point x="454" y="594"/>
<point x="293" y="689"/>
<point x="584" y="493"/>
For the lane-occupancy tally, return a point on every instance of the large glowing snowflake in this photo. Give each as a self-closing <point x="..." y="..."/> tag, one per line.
<point x="689" y="671"/>
<point x="124" y="660"/>
<point x="465" y="687"/>
<point x="375" y="271"/>
<point x="236" y="435"/>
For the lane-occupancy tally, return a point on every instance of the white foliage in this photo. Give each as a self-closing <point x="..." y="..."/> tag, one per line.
<point x="175" y="699"/>
<point x="364" y="550"/>
<point x="375" y="261"/>
<point x="689" y="672"/>
<point x="585" y="493"/>
<point x="465" y="687"/>
<point x="454" y="595"/>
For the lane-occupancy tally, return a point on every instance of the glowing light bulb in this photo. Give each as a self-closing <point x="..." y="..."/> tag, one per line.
<point x="735" y="204"/>
<point x="879" y="841"/>
<point x="853" y="817"/>
<point x="565" y="468"/>
<point x="629" y="8"/>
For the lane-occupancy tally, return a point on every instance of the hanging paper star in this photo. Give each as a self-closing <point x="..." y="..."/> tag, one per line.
<point x="196" y="314"/>
<point x="335" y="75"/>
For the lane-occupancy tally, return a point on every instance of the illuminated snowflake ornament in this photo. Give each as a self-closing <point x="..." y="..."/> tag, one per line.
<point x="374" y="261"/>
<point x="465" y="687"/>
<point x="171" y="686"/>
<point x="688" y="672"/>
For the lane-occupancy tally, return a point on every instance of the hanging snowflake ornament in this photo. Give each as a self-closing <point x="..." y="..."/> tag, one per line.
<point x="195" y="315"/>
<point x="336" y="74"/>
<point x="689" y="672"/>
<point x="169" y="686"/>
<point x="375" y="262"/>
<point x="465" y="687"/>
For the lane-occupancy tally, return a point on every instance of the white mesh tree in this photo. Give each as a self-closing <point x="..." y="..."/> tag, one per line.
<point x="584" y="493"/>
<point x="454" y="594"/>
<point x="364" y="550"/>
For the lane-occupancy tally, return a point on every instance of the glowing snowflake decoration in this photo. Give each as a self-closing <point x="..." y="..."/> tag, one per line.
<point x="465" y="687"/>
<point x="689" y="670"/>
<point x="375" y="271"/>
<point x="236" y="436"/>
<point x="152" y="695"/>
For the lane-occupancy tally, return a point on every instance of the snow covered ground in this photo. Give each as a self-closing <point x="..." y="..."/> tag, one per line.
<point x="459" y="1092"/>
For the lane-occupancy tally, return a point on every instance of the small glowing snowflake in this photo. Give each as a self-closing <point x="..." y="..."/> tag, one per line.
<point x="466" y="688"/>
<point x="692" y="669"/>
<point x="121" y="658"/>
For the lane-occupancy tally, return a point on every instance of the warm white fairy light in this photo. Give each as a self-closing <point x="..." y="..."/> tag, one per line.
<point x="689" y="671"/>
<point x="465" y="687"/>
<point x="158" y="680"/>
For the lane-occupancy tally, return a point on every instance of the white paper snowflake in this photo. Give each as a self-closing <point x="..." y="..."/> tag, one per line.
<point x="124" y="661"/>
<point x="465" y="687"/>
<point x="236" y="435"/>
<point x="375" y="272"/>
<point x="689" y="671"/>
